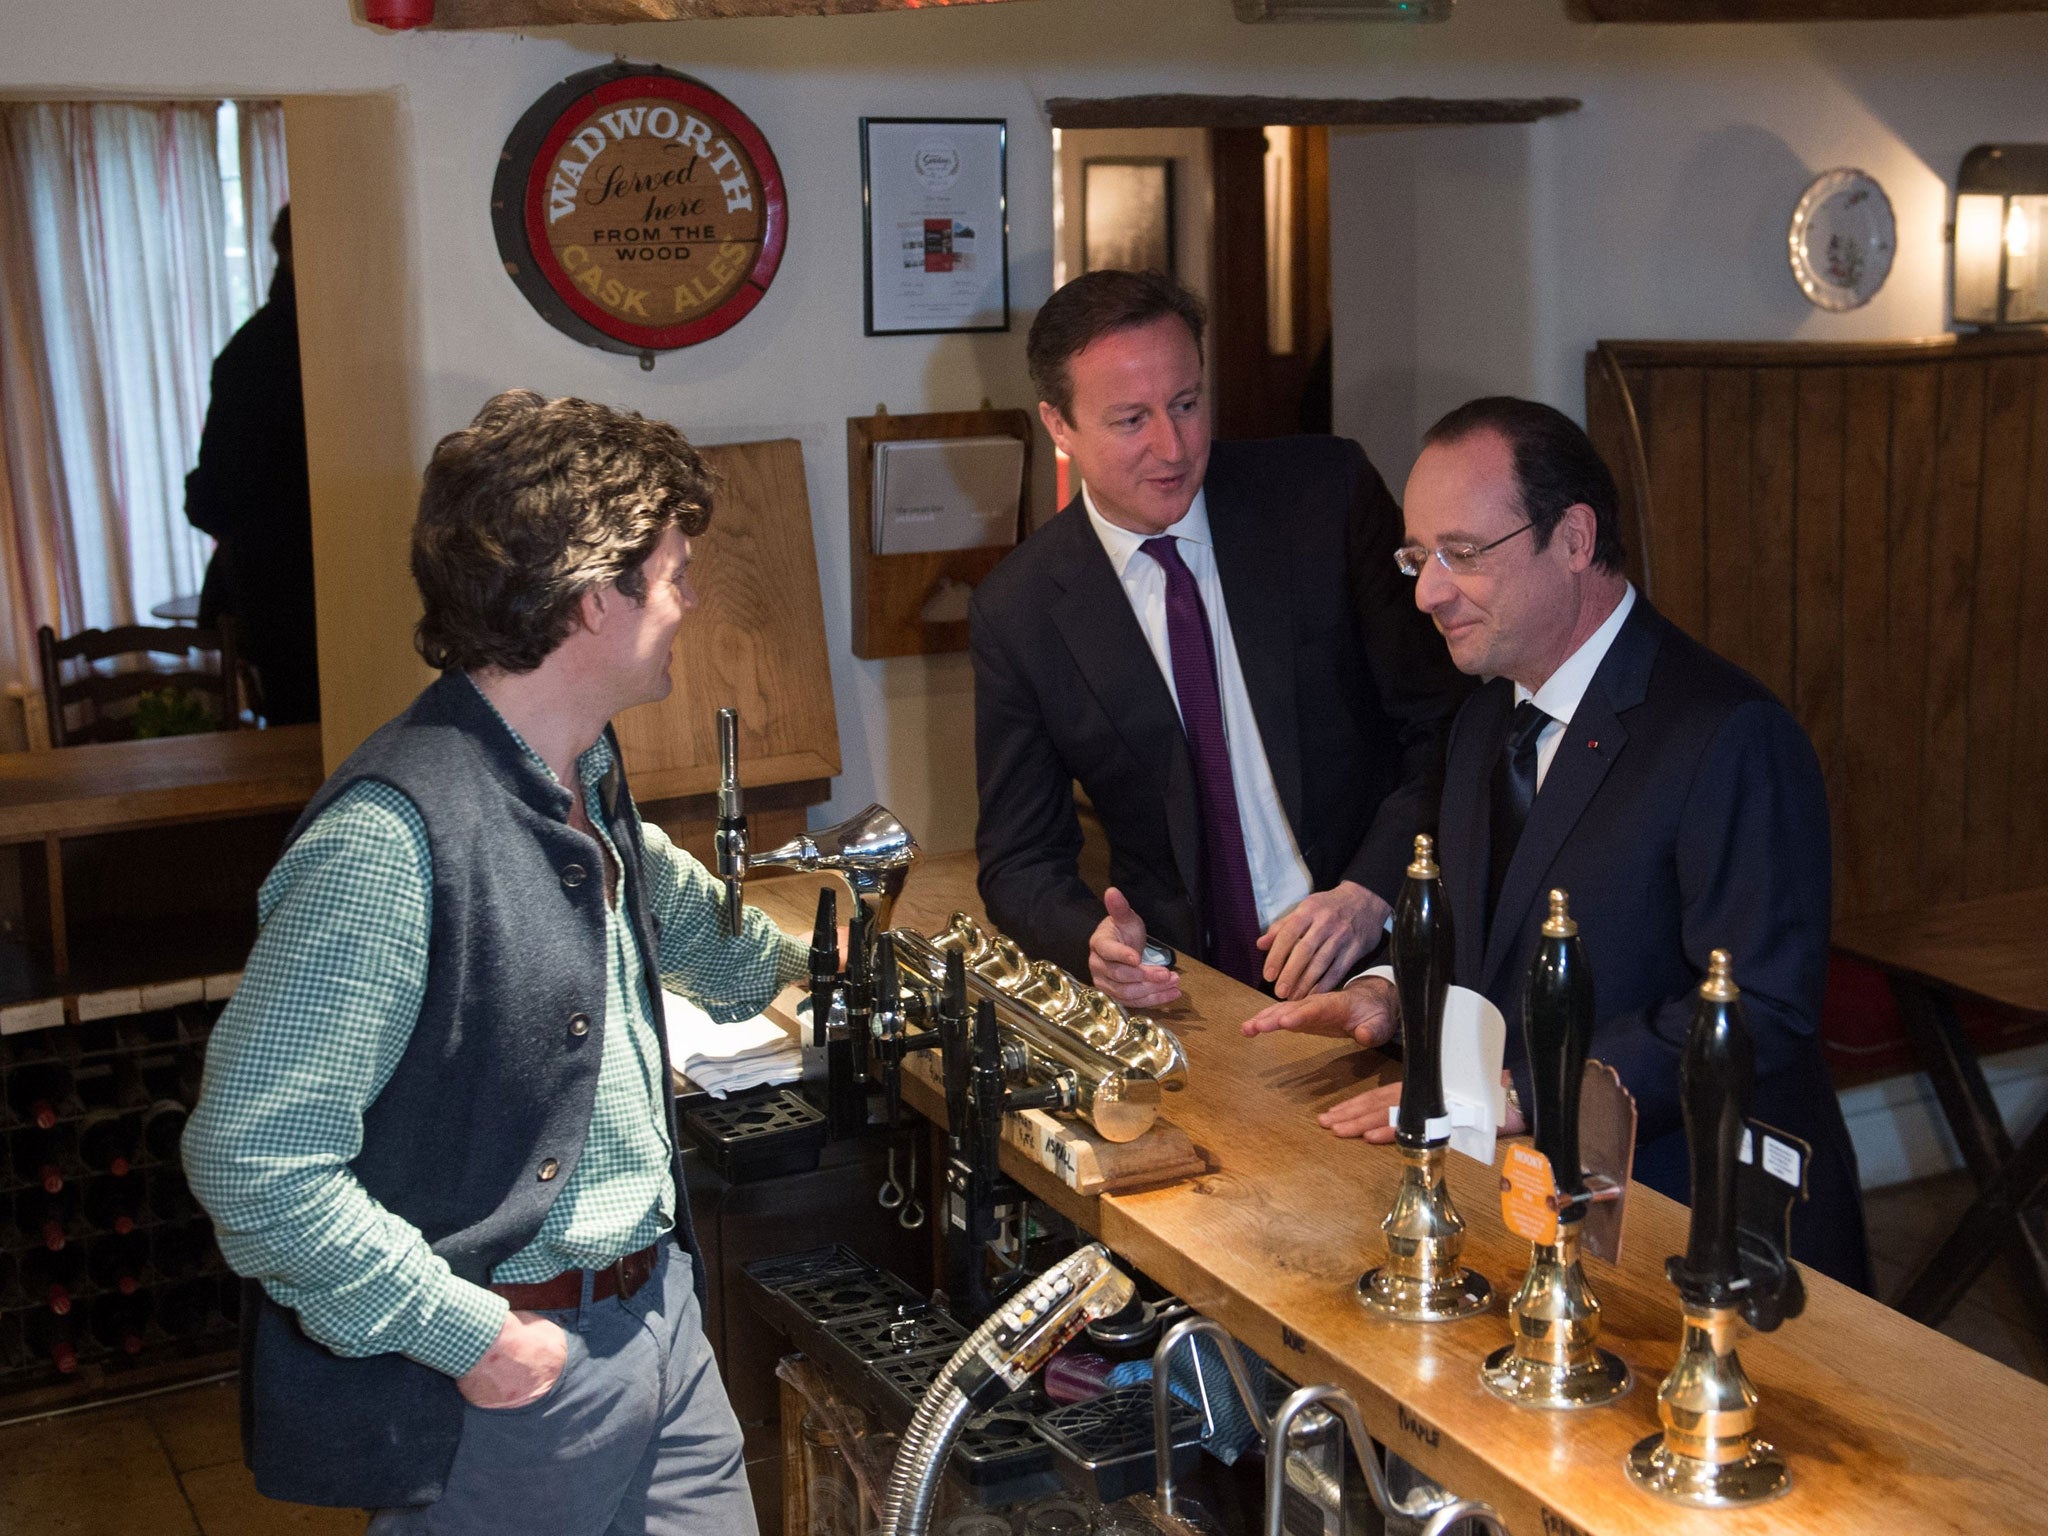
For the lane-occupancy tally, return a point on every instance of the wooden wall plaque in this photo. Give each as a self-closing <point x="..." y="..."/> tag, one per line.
<point x="893" y="593"/>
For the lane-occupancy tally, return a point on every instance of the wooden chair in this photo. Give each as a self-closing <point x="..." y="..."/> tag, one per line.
<point x="107" y="701"/>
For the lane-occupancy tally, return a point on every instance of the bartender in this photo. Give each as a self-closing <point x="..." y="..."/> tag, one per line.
<point x="1213" y="642"/>
<point x="1612" y="756"/>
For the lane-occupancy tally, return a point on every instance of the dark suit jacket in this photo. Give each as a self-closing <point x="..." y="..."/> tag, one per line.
<point x="1683" y="813"/>
<point x="1351" y="686"/>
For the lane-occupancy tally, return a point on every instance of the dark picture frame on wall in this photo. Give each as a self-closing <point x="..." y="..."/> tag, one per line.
<point x="935" y="224"/>
<point x="1127" y="214"/>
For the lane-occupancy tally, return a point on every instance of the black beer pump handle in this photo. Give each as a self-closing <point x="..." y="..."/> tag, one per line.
<point x="1557" y="1026"/>
<point x="889" y="1024"/>
<point x="986" y="1111"/>
<point x="1422" y="957"/>
<point x="824" y="965"/>
<point x="1716" y="1077"/>
<point x="953" y="1035"/>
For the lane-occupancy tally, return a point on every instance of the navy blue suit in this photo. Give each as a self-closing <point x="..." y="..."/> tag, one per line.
<point x="1683" y="812"/>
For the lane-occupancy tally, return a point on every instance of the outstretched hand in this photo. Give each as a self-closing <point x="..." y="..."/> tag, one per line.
<point x="1116" y="961"/>
<point x="1315" y="945"/>
<point x="1367" y="1114"/>
<point x="1363" y="1012"/>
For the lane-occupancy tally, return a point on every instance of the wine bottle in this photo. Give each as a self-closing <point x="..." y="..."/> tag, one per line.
<point x="50" y="1280"/>
<point x="40" y="1092"/>
<point x="185" y="1309"/>
<point x="45" y="1158"/>
<point x="163" y="1127"/>
<point x="49" y="1217"/>
<point x="182" y="1249"/>
<point x="119" y="1322"/>
<point x="114" y="1203"/>
<point x="110" y="1143"/>
<point x="117" y="1263"/>
<point x="50" y="1337"/>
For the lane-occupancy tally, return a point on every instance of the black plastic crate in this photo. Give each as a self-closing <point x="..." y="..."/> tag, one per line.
<point x="832" y="1298"/>
<point x="758" y="1134"/>
<point x="887" y="1335"/>
<point x="812" y="1264"/>
<point x="1107" y="1445"/>
<point x="1002" y="1457"/>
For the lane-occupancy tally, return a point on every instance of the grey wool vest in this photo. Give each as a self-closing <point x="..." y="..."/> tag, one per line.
<point x="495" y="1087"/>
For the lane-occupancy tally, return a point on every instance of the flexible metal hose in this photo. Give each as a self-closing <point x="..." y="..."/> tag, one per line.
<point x="1016" y="1340"/>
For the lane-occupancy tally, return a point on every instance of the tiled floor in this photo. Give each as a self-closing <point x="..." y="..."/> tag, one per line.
<point x="172" y="1465"/>
<point x="164" y="1466"/>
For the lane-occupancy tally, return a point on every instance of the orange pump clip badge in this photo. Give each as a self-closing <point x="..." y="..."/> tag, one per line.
<point x="1528" y="1195"/>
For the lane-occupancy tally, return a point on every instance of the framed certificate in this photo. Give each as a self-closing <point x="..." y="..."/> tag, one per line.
<point x="935" y="211"/>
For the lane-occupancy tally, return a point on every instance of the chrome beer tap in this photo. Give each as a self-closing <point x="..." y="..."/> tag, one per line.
<point x="1422" y="1280"/>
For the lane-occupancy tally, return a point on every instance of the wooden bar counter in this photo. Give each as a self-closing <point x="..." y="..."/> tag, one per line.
<point x="1887" y="1425"/>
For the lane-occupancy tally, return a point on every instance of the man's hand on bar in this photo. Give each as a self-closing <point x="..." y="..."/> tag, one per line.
<point x="522" y="1364"/>
<point x="1363" y="1011"/>
<point x="1367" y="1114"/>
<point x="1116" y="963"/>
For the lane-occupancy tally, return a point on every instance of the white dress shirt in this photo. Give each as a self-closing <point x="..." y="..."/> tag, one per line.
<point x="1560" y="694"/>
<point x="1279" y="877"/>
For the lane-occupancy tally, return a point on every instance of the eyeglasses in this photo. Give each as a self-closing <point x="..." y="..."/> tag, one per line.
<point x="1458" y="559"/>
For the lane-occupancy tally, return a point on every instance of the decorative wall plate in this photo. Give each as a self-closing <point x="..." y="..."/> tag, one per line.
<point x="1842" y="239"/>
<point x="638" y="210"/>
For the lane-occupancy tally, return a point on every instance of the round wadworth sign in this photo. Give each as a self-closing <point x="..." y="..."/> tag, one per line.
<point x="639" y="210"/>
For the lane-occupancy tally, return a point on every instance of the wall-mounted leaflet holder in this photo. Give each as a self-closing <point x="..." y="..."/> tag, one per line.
<point x="933" y="502"/>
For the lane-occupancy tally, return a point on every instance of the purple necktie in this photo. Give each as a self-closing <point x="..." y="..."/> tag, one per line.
<point x="1229" y="911"/>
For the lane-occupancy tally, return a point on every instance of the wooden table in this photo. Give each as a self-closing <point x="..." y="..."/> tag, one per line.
<point x="1995" y="949"/>
<point x="1888" y="1425"/>
<point x="68" y="792"/>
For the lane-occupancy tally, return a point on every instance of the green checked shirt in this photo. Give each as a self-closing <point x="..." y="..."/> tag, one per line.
<point x="325" y="1010"/>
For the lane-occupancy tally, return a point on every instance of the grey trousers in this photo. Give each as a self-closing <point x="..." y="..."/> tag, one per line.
<point x="635" y="1439"/>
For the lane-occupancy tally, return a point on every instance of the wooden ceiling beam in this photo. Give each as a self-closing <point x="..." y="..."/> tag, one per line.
<point x="1306" y="111"/>
<point x="479" y="15"/>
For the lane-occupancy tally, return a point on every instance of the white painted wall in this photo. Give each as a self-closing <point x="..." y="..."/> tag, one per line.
<point x="1656" y="211"/>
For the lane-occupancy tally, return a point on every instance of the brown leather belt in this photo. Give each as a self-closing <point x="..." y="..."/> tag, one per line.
<point x="621" y="1278"/>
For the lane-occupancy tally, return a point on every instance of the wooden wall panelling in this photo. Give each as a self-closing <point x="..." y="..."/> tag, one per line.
<point x="1773" y="481"/>
<point x="1891" y="585"/>
<point x="1959" y="468"/>
<point x="1994" y="634"/>
<point x="1817" y="569"/>
<point x="890" y="592"/>
<point x="1734" y="562"/>
<point x="1607" y="424"/>
<point x="1870" y="755"/>
<point x="756" y="641"/>
<point x="1678" y="496"/>
<point x="1916" y="412"/>
<point x="2029" y="851"/>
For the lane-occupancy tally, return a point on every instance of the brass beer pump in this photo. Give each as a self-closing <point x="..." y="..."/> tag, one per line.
<point x="1708" y="1454"/>
<point x="1422" y="1280"/>
<point x="1555" y="1360"/>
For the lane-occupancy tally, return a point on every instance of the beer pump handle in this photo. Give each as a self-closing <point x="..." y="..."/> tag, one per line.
<point x="1716" y="1075"/>
<point x="953" y="1032"/>
<point x="730" y="840"/>
<point x="860" y="992"/>
<point x="824" y="965"/>
<point x="1422" y="955"/>
<point x="1557" y="1025"/>
<point x="889" y="1025"/>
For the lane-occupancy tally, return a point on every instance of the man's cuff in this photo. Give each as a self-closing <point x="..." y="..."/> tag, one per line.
<point x="469" y="1321"/>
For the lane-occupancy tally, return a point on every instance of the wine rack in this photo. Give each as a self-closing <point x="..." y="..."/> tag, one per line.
<point x="109" y="1274"/>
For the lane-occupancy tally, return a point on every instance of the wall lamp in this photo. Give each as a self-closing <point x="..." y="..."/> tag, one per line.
<point x="2001" y="229"/>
